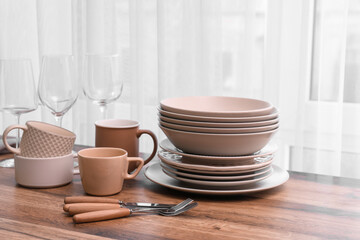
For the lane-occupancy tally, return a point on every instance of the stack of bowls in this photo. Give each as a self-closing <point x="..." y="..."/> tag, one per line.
<point x="218" y="126"/>
<point x="217" y="142"/>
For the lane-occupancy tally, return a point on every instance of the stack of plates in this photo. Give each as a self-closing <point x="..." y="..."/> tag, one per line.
<point x="217" y="145"/>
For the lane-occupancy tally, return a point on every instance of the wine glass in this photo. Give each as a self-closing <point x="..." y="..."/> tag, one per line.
<point x="17" y="92"/>
<point x="102" y="83"/>
<point x="58" y="87"/>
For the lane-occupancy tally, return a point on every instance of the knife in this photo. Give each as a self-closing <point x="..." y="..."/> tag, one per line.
<point x="124" y="212"/>
<point x="86" y="204"/>
<point x="76" y="208"/>
<point x="87" y="199"/>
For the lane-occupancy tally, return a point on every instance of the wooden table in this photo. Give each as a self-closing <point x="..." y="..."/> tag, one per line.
<point x="308" y="206"/>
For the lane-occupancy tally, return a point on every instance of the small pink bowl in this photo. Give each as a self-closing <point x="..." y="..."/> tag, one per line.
<point x="217" y="106"/>
<point x="218" y="144"/>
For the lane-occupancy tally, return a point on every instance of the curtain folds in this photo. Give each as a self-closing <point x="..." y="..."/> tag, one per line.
<point x="285" y="52"/>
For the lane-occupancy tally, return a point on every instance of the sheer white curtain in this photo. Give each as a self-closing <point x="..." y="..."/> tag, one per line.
<point x="286" y="52"/>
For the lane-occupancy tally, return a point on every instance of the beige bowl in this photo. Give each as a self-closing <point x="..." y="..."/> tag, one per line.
<point x="218" y="130"/>
<point x="44" y="172"/>
<point x="218" y="144"/>
<point x="217" y="106"/>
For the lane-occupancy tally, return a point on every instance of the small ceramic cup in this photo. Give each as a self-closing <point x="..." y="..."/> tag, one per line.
<point x="123" y="134"/>
<point x="41" y="140"/>
<point x="44" y="172"/>
<point x="103" y="170"/>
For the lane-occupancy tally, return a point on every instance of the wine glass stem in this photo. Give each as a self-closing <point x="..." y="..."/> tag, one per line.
<point x="17" y="116"/>
<point x="58" y="120"/>
<point x="103" y="109"/>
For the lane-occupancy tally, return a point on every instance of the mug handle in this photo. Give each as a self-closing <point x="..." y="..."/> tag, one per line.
<point x="139" y="166"/>
<point x="6" y="132"/>
<point x="152" y="135"/>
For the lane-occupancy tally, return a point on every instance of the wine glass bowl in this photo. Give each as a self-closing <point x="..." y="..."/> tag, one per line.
<point x="17" y="86"/>
<point x="17" y="92"/>
<point x="102" y="83"/>
<point x="58" y="89"/>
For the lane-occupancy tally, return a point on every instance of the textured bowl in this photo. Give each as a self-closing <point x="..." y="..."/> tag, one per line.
<point x="218" y="144"/>
<point x="217" y="106"/>
<point x="218" y="130"/>
<point x="41" y="140"/>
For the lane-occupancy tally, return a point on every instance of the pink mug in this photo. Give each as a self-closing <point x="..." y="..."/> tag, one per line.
<point x="125" y="134"/>
<point x="41" y="140"/>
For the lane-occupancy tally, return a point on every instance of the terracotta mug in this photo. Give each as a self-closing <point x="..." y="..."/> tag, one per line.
<point x="123" y="134"/>
<point x="44" y="172"/>
<point x="41" y="140"/>
<point x="103" y="170"/>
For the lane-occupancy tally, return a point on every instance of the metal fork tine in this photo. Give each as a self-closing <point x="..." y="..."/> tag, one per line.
<point x="180" y="205"/>
<point x="186" y="208"/>
<point x="166" y="210"/>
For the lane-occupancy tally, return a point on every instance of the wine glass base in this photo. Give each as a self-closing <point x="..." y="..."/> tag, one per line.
<point x="8" y="163"/>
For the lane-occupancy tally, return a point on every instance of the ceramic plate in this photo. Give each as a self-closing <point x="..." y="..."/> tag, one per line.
<point x="218" y="144"/>
<point x="272" y="115"/>
<point x="174" y="161"/>
<point x="218" y="130"/>
<point x="155" y="174"/>
<point x="217" y="106"/>
<point x="218" y="124"/>
<point x="217" y="173"/>
<point x="215" y="178"/>
<point x="217" y="160"/>
<point x="219" y="183"/>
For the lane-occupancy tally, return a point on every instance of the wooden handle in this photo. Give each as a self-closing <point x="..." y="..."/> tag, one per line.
<point x="101" y="215"/>
<point x="76" y="208"/>
<point x="66" y="207"/>
<point x="86" y="199"/>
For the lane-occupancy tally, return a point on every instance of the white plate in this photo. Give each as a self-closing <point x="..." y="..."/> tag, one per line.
<point x="218" y="124"/>
<point x="218" y="130"/>
<point x="219" y="183"/>
<point x="174" y="161"/>
<point x="217" y="106"/>
<point x="274" y="114"/>
<point x="216" y="177"/>
<point x="155" y="174"/>
<point x="217" y="160"/>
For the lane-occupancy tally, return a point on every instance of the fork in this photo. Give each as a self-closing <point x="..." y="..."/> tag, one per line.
<point x="184" y="209"/>
<point x="123" y="212"/>
<point x="177" y="207"/>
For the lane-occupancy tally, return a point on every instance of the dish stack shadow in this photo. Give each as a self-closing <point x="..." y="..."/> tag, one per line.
<point x="217" y="142"/>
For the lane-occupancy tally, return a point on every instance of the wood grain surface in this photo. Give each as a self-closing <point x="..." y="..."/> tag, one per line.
<point x="308" y="206"/>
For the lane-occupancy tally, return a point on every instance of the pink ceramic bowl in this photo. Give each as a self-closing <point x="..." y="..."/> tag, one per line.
<point x="272" y="115"/>
<point x="219" y="124"/>
<point x="218" y="130"/>
<point x="218" y="144"/>
<point x="44" y="172"/>
<point x="217" y="106"/>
